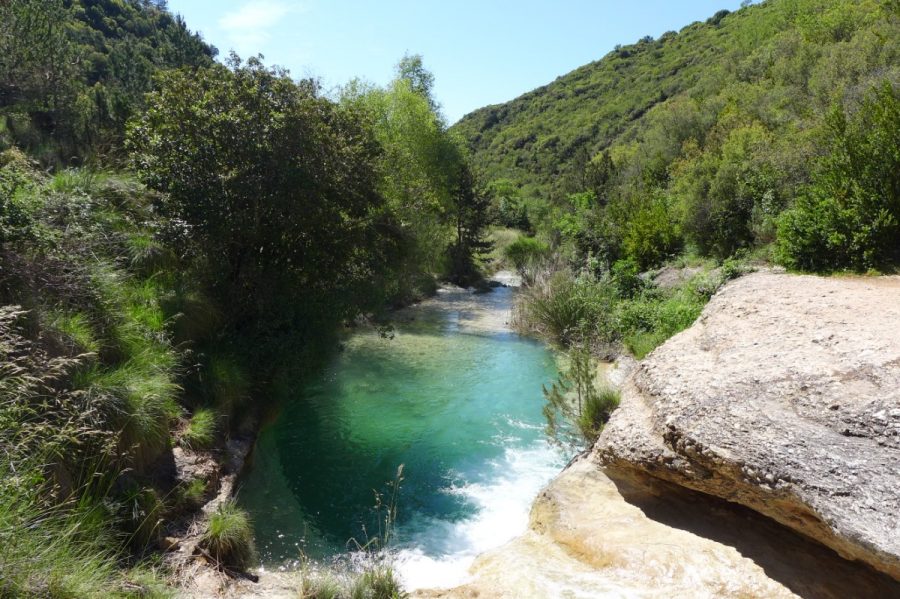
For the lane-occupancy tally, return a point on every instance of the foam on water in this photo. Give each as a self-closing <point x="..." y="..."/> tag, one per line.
<point x="441" y="552"/>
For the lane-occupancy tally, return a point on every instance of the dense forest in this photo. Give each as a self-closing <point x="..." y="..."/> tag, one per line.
<point x="182" y="237"/>
<point x="703" y="137"/>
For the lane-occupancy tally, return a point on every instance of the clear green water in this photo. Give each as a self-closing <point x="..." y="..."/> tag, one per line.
<point x="455" y="397"/>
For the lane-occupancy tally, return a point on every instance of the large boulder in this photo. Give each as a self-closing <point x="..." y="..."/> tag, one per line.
<point x="624" y="534"/>
<point x="783" y="397"/>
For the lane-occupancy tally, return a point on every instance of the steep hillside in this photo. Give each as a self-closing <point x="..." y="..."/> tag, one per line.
<point x="73" y="71"/>
<point x="780" y="64"/>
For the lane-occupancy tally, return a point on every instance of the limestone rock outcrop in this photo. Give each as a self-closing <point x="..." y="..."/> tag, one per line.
<point x="783" y="397"/>
<point x="619" y="534"/>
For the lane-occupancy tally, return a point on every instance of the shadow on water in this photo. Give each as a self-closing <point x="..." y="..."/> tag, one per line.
<point x="804" y="566"/>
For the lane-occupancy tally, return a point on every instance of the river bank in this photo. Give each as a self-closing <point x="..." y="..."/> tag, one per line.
<point x="454" y="395"/>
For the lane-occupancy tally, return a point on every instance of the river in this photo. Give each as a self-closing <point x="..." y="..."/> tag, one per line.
<point x="455" y="398"/>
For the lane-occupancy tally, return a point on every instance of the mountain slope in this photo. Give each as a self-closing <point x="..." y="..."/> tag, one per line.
<point x="73" y="71"/>
<point x="781" y="63"/>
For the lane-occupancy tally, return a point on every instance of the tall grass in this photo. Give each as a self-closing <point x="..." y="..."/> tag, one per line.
<point x="142" y="399"/>
<point x="561" y="307"/>
<point x="374" y="582"/>
<point x="76" y="328"/>
<point x="88" y="389"/>
<point x="61" y="551"/>
<point x="616" y="311"/>
<point x="77" y="180"/>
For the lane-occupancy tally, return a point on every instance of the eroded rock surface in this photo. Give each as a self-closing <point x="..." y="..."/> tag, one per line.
<point x="619" y="534"/>
<point x="783" y="397"/>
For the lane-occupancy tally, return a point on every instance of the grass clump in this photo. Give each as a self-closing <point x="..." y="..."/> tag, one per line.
<point x="321" y="585"/>
<point x="200" y="432"/>
<point x="143" y="399"/>
<point x="229" y="537"/>
<point x="379" y="582"/>
<point x="76" y="328"/>
<point x="146" y="255"/>
<point x="559" y="306"/>
<point x="76" y="180"/>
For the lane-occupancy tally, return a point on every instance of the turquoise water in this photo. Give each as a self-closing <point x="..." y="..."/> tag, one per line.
<point x="454" y="397"/>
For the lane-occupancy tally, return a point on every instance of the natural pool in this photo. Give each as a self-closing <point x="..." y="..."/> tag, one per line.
<point x="455" y="397"/>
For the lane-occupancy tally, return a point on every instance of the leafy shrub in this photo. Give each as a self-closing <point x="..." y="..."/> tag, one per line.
<point x="625" y="276"/>
<point x="526" y="250"/>
<point x="229" y="537"/>
<point x="229" y="382"/>
<point x="650" y="235"/>
<point x="574" y="401"/>
<point x="850" y="216"/>
<point x="650" y="319"/>
<point x="16" y="179"/>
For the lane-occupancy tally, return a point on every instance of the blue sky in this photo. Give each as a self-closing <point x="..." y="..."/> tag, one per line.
<point x="481" y="52"/>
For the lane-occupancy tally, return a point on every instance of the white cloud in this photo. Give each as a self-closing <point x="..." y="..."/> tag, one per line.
<point x="249" y="26"/>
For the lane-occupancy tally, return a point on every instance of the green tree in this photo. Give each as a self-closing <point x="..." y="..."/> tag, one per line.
<point x="36" y="55"/>
<point x="276" y="188"/>
<point x="850" y="216"/>
<point x="411" y="69"/>
<point x="470" y="214"/>
<point x="417" y="170"/>
<point x="507" y="206"/>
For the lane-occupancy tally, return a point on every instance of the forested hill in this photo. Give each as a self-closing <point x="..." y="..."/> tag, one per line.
<point x="780" y="64"/>
<point x="73" y="71"/>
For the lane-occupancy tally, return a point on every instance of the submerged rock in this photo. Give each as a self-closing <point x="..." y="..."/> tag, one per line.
<point x="783" y="397"/>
